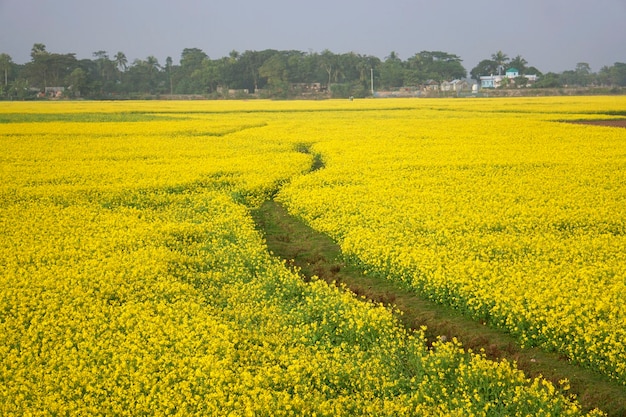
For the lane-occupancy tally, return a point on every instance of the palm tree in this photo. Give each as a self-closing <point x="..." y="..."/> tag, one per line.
<point x="120" y="61"/>
<point x="121" y="64"/>
<point x="501" y="59"/>
<point x="393" y="57"/>
<point x="152" y="62"/>
<point x="152" y="66"/>
<point x="38" y="49"/>
<point x="519" y="63"/>
<point x="234" y="55"/>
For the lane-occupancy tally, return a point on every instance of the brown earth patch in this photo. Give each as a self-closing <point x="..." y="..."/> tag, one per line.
<point x="610" y="123"/>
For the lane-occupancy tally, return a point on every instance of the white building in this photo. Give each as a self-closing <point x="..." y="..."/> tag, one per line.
<point x="455" y="85"/>
<point x="495" y="81"/>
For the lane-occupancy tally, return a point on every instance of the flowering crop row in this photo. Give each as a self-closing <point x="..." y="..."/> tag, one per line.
<point x="133" y="281"/>
<point x="496" y="208"/>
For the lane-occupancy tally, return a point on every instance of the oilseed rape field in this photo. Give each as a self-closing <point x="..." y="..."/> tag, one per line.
<point x="133" y="281"/>
<point x="506" y="214"/>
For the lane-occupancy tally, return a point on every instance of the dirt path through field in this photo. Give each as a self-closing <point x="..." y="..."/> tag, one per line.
<point x="315" y="254"/>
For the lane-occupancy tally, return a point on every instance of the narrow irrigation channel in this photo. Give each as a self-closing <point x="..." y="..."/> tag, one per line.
<point x="315" y="254"/>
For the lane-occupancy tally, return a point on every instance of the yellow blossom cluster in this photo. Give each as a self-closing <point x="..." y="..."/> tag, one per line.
<point x="133" y="281"/>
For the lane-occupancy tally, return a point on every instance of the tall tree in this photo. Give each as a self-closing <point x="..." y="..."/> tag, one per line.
<point x="501" y="59"/>
<point x="144" y="75"/>
<point x="121" y="63"/>
<point x="192" y="62"/>
<point x="153" y="63"/>
<point x="77" y="81"/>
<point x="169" y="63"/>
<point x="275" y="69"/>
<point x="106" y="67"/>
<point x="581" y="76"/>
<point x="614" y="75"/>
<point x="549" y="80"/>
<point x="108" y="72"/>
<point x="6" y="64"/>
<point x="532" y="71"/>
<point x="48" y="69"/>
<point x="349" y="67"/>
<point x="392" y="71"/>
<point x="61" y="65"/>
<point x="37" y="69"/>
<point x="191" y="59"/>
<point x="519" y="64"/>
<point x="433" y="65"/>
<point x="364" y="67"/>
<point x="38" y="49"/>
<point x="209" y="76"/>
<point x="328" y="61"/>
<point x="618" y="74"/>
<point x="583" y="73"/>
<point x="232" y="71"/>
<point x="252" y="62"/>
<point x="153" y="67"/>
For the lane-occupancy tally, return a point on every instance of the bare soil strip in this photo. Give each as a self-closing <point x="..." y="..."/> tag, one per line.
<point x="316" y="254"/>
<point x="610" y="123"/>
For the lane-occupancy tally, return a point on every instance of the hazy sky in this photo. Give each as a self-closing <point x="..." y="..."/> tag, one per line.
<point x="552" y="35"/>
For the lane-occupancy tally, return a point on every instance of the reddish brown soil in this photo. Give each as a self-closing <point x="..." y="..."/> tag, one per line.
<point x="611" y="123"/>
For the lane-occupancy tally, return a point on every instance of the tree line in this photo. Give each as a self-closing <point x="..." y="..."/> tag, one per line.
<point x="268" y="73"/>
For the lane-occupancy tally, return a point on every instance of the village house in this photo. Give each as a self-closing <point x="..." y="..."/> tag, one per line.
<point x="431" y="85"/>
<point x="495" y="81"/>
<point x="309" y="87"/>
<point x="53" y="92"/>
<point x="455" y="85"/>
